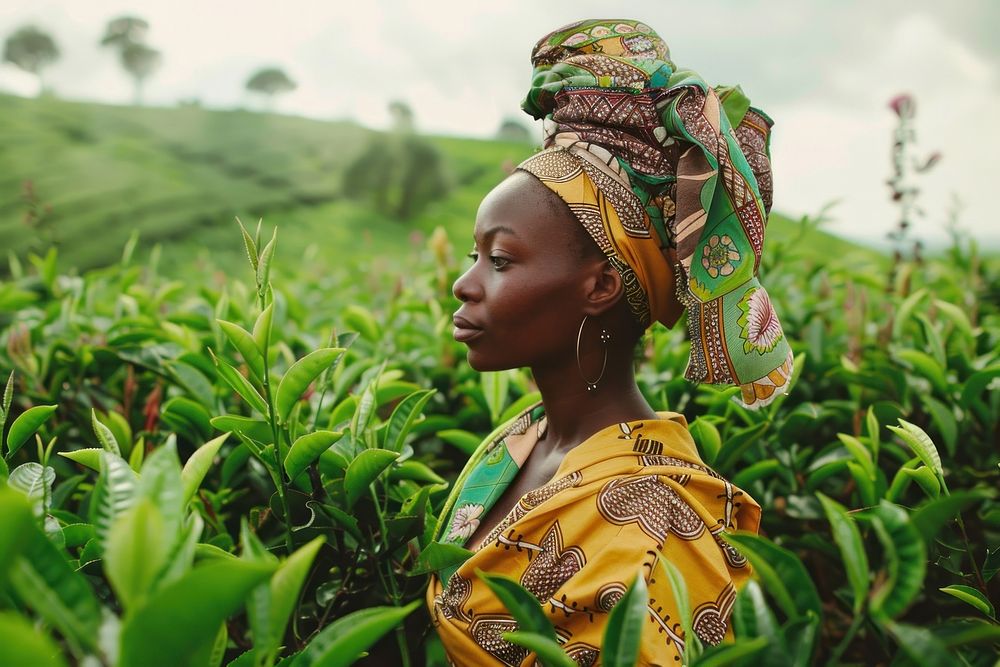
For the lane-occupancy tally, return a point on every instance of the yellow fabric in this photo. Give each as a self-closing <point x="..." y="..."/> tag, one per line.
<point x="628" y="492"/>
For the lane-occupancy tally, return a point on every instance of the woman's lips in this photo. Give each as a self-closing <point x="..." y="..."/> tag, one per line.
<point x="465" y="330"/>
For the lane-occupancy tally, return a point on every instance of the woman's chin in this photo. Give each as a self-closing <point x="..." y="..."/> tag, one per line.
<point x="484" y="364"/>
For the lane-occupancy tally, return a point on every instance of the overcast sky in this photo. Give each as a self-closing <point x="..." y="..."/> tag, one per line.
<point x="823" y="70"/>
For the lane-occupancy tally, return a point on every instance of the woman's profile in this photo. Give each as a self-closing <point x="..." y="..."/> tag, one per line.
<point x="650" y="197"/>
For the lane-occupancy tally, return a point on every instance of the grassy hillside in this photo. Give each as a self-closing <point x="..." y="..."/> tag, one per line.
<point x="180" y="176"/>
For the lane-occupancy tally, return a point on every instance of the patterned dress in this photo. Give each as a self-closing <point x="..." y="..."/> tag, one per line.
<point x="629" y="492"/>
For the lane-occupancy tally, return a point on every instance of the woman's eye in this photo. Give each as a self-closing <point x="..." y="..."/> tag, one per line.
<point x="499" y="262"/>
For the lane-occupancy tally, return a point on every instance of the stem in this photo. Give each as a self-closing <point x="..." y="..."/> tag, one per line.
<point x="842" y="646"/>
<point x="393" y="589"/>
<point x="972" y="557"/>
<point x="281" y="486"/>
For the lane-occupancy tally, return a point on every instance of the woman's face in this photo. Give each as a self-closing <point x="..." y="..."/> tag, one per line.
<point x="523" y="297"/>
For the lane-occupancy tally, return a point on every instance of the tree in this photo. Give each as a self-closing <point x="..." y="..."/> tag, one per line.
<point x="139" y="61"/>
<point x="514" y="130"/>
<point x="32" y="50"/>
<point x="125" y="30"/>
<point x="128" y="35"/>
<point x="270" y="81"/>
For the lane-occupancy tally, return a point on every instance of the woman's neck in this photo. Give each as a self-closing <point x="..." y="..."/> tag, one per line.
<point x="574" y="414"/>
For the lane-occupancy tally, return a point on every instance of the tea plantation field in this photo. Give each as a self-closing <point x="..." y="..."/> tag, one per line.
<point x="233" y="450"/>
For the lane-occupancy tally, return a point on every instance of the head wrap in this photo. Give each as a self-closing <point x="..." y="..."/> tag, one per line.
<point x="672" y="179"/>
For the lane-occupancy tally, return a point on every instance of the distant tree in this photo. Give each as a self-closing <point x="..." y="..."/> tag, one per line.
<point x="402" y="116"/>
<point x="270" y="81"/>
<point x="514" y="130"/>
<point x="32" y="50"/>
<point x="125" y="30"/>
<point x="128" y="35"/>
<point x="140" y="61"/>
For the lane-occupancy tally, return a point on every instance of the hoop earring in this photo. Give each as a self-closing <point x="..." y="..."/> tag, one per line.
<point x="605" y="339"/>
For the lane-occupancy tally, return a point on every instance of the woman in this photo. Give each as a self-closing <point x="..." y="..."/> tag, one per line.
<point x="650" y="196"/>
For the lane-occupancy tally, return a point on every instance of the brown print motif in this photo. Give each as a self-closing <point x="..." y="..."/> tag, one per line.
<point x="609" y="595"/>
<point x="652" y="504"/>
<point x="531" y="500"/>
<point x="486" y="632"/>
<point x="451" y="602"/>
<point x="554" y="566"/>
<point x="583" y="654"/>
<point x="710" y="618"/>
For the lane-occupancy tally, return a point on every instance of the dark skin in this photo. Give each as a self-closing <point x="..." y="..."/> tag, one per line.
<point x="536" y="275"/>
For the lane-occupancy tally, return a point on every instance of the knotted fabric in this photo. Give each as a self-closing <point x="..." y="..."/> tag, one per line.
<point x="672" y="180"/>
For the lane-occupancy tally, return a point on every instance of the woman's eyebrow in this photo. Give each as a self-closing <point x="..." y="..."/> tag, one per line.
<point x="493" y="231"/>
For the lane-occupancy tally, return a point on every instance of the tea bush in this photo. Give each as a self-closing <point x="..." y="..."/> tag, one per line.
<point x="208" y="472"/>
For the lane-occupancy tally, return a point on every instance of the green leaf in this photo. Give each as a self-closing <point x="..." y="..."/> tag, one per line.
<point x="548" y="650"/>
<point x="920" y="645"/>
<point x="361" y="320"/>
<point x="971" y="596"/>
<point x="402" y="418"/>
<point x="871" y="424"/>
<point x="186" y="416"/>
<point x="301" y="374"/>
<point x="104" y="435"/>
<point x="343" y="641"/>
<point x="752" y="617"/>
<point x="180" y="619"/>
<point x="8" y="397"/>
<point x="623" y="634"/>
<point x="945" y="422"/>
<point x="737" y="443"/>
<point x="905" y="557"/>
<point x="264" y="263"/>
<point x="135" y="553"/>
<point x="521" y="604"/>
<point x="240" y="385"/>
<point x="89" y="458"/>
<point x="905" y="311"/>
<point x="160" y="482"/>
<point x="197" y="466"/>
<point x="258" y="429"/>
<point x="748" y="475"/>
<point x="44" y="580"/>
<point x="930" y="517"/>
<point x="921" y="444"/>
<point x="465" y="442"/>
<point x="364" y="470"/>
<point x="416" y="471"/>
<point x="859" y="452"/>
<point x="925" y="365"/>
<point x="926" y="478"/>
<point x="22" y="644"/>
<point x="262" y="329"/>
<point x="724" y="655"/>
<point x="852" y="550"/>
<point x="282" y="593"/>
<point x="706" y="435"/>
<point x="781" y="572"/>
<point x="113" y="494"/>
<point x="495" y="386"/>
<point x="440" y="556"/>
<point x="244" y="341"/>
<point x="250" y="246"/>
<point x="307" y="449"/>
<point x="34" y="482"/>
<point x="15" y="528"/>
<point x="26" y="424"/>
<point x="679" y="589"/>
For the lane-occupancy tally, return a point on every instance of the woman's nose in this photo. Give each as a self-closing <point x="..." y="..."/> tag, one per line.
<point x="466" y="287"/>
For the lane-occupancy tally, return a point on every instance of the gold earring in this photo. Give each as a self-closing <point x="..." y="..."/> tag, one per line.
<point x="605" y="338"/>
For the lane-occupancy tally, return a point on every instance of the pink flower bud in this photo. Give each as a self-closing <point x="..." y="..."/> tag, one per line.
<point x="903" y="105"/>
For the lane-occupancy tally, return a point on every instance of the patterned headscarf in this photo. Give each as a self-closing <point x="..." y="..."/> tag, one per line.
<point x="672" y="179"/>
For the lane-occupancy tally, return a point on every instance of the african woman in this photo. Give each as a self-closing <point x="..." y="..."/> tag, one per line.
<point x="650" y="197"/>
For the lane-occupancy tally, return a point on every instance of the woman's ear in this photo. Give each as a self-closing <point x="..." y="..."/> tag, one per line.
<point x="604" y="288"/>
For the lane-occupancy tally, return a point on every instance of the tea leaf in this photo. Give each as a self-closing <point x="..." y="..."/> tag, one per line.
<point x="364" y="470"/>
<point x="852" y="550"/>
<point x="89" y="457"/>
<point x="240" y="385"/>
<point x="401" y="421"/>
<point x="22" y="644"/>
<point x="104" y="435"/>
<point x="521" y="604"/>
<point x="197" y="466"/>
<point x="905" y="557"/>
<point x="307" y="449"/>
<point x="25" y="426"/>
<point x="243" y="341"/>
<point x="135" y="552"/>
<point x="182" y="618"/>
<point x="921" y="444"/>
<point x="970" y="596"/>
<point x="707" y="437"/>
<point x="301" y="374"/>
<point x="548" y="650"/>
<point x="623" y="634"/>
<point x="343" y="641"/>
<point x="781" y="572"/>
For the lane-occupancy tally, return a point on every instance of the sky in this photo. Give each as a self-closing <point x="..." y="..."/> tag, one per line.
<point x="823" y="70"/>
